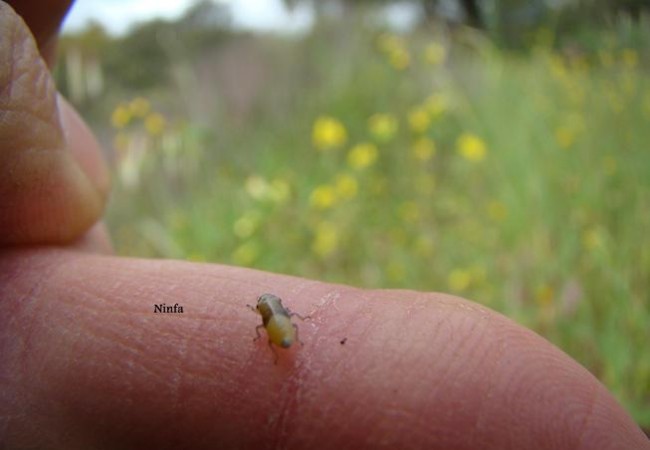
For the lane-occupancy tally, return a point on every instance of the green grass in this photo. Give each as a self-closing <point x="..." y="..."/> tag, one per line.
<point x="550" y="228"/>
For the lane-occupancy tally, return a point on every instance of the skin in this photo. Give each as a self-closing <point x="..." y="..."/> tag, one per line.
<point x="85" y="364"/>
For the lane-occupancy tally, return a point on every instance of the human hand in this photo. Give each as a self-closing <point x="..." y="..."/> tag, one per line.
<point x="85" y="362"/>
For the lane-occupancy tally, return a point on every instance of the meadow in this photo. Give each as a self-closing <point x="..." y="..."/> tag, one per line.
<point x="432" y="160"/>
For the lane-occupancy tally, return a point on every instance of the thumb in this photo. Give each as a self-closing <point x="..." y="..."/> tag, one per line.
<point x="53" y="183"/>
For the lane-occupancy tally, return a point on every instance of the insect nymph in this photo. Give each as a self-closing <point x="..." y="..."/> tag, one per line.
<point x="276" y="319"/>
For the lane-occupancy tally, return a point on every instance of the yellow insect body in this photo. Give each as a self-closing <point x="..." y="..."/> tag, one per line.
<point x="281" y="331"/>
<point x="276" y="319"/>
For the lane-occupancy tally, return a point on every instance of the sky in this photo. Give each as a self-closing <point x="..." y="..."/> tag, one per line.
<point x="118" y="15"/>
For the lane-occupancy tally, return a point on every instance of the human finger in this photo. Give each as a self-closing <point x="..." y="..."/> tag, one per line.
<point x="53" y="183"/>
<point x="88" y="363"/>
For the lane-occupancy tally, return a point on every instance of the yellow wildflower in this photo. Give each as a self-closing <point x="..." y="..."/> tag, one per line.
<point x="424" y="246"/>
<point x="565" y="136"/>
<point x="557" y="67"/>
<point x="399" y="58"/>
<point x="139" y="107"/>
<point x="471" y="147"/>
<point x="323" y="197"/>
<point x="395" y="47"/>
<point x="409" y="211"/>
<point x="121" y="117"/>
<point x="630" y="58"/>
<point x="246" y="254"/>
<point x="544" y="295"/>
<point x="326" y="239"/>
<point x="435" y="53"/>
<point x="246" y="225"/>
<point x="346" y="186"/>
<point x="459" y="280"/>
<point x="196" y="257"/>
<point x="279" y="190"/>
<point x="396" y="271"/>
<point x="419" y="120"/>
<point x="609" y="165"/>
<point x="257" y="187"/>
<point x="154" y="123"/>
<point x="389" y="42"/>
<point x="423" y="149"/>
<point x="383" y="126"/>
<point x="593" y="238"/>
<point x="328" y="133"/>
<point x="437" y="104"/>
<point x="362" y="156"/>
<point x="497" y="211"/>
<point x="606" y="58"/>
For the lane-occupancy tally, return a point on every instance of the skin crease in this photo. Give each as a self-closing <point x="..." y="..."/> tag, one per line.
<point x="86" y="364"/>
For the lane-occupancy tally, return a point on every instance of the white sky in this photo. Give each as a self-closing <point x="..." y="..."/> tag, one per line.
<point x="118" y="15"/>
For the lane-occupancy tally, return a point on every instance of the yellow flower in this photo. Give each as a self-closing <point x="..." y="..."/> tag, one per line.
<point x="328" y="133"/>
<point x="246" y="254"/>
<point x="565" y="137"/>
<point x="399" y="58"/>
<point x="423" y="149"/>
<point x="196" y="257"/>
<point x="121" y="117"/>
<point x="558" y="68"/>
<point x="419" y="120"/>
<point x="326" y="239"/>
<point x="437" y="105"/>
<point x="346" y="187"/>
<point x="606" y="58"/>
<point x="459" y="280"/>
<point x="609" y="165"/>
<point x="630" y="58"/>
<point x="395" y="48"/>
<point x="471" y="147"/>
<point x="362" y="155"/>
<point x="139" y="107"/>
<point x="389" y="42"/>
<point x="383" y="126"/>
<point x="246" y="225"/>
<point x="593" y="238"/>
<point x="435" y="53"/>
<point x="154" y="123"/>
<point x="279" y="190"/>
<point x="409" y="211"/>
<point x="257" y="187"/>
<point x="323" y="197"/>
<point x="396" y="271"/>
<point x="497" y="211"/>
<point x="544" y="295"/>
<point x="424" y="246"/>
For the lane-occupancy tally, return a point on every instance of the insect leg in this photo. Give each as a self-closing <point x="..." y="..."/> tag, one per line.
<point x="257" y="331"/>
<point x="297" y="338"/>
<point x="292" y="314"/>
<point x="252" y="308"/>
<point x="275" y="353"/>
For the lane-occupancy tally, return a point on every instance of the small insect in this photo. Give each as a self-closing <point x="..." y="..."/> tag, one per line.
<point x="277" y="321"/>
<point x="344" y="340"/>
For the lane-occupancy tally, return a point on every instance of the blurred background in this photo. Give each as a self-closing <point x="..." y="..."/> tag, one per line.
<point x="496" y="150"/>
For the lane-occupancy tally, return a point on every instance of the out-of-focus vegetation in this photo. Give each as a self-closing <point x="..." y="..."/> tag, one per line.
<point x="509" y="165"/>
